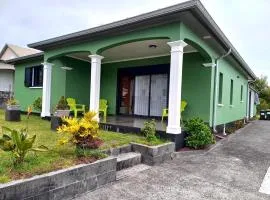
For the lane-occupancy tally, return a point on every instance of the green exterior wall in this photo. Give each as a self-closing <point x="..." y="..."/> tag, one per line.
<point x="73" y="83"/>
<point x="227" y="113"/>
<point x="25" y="95"/>
<point x="171" y="31"/>
<point x="194" y="74"/>
<point x="109" y="77"/>
<point x="197" y="85"/>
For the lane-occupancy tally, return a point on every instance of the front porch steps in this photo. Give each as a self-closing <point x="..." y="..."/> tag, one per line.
<point x="127" y="160"/>
<point x="131" y="171"/>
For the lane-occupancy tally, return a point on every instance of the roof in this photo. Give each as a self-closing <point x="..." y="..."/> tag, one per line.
<point x="6" y="66"/>
<point x="19" y="51"/>
<point x="159" y="16"/>
<point x="31" y="57"/>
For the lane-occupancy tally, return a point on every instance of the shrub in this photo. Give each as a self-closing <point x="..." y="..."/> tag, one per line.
<point x="199" y="134"/>
<point x="81" y="132"/>
<point x="18" y="143"/>
<point x="12" y="102"/>
<point x="62" y="104"/>
<point x="94" y="153"/>
<point x="149" y="130"/>
<point x="37" y="104"/>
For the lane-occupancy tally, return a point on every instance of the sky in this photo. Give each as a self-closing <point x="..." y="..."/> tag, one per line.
<point x="244" y="22"/>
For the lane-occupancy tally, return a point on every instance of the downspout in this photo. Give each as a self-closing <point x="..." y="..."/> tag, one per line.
<point x="248" y="100"/>
<point x="216" y="88"/>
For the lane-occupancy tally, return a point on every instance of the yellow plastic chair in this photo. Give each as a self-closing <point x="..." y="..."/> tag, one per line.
<point x="165" y="111"/>
<point x="75" y="107"/>
<point x="103" y="107"/>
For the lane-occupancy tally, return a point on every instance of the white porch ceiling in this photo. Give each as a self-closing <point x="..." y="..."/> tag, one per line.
<point x="134" y="50"/>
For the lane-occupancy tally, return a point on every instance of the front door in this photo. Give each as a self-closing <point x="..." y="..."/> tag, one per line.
<point x="141" y="100"/>
<point x="158" y="97"/>
<point x="143" y="91"/>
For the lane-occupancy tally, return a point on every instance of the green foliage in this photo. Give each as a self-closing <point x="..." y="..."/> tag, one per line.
<point x="62" y="104"/>
<point x="37" y="104"/>
<point x="149" y="130"/>
<point x="93" y="153"/>
<point x="18" y="143"/>
<point x="82" y="132"/>
<point x="263" y="89"/>
<point x="199" y="134"/>
<point x="12" y="102"/>
<point x="264" y="105"/>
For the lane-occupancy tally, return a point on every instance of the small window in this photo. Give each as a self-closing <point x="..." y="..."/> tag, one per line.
<point x="33" y="76"/>
<point x="231" y="93"/>
<point x="241" y="97"/>
<point x="220" y="88"/>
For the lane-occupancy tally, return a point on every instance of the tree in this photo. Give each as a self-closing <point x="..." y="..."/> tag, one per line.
<point x="263" y="89"/>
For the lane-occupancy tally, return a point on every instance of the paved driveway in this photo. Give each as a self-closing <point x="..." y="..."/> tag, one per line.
<point x="234" y="169"/>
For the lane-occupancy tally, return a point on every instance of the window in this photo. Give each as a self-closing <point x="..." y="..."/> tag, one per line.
<point x="241" y="97"/>
<point x="231" y="93"/>
<point x="33" y="76"/>
<point x="220" y="88"/>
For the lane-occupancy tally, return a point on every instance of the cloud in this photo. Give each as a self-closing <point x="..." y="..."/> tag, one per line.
<point x="245" y="23"/>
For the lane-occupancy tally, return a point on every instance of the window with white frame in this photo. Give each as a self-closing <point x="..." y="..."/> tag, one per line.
<point x="33" y="76"/>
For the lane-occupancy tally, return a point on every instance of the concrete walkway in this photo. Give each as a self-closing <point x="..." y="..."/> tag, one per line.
<point x="234" y="169"/>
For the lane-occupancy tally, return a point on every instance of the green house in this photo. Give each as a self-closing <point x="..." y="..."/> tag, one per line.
<point x="142" y="65"/>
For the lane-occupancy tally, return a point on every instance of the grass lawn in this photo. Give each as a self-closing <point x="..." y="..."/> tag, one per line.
<point x="59" y="156"/>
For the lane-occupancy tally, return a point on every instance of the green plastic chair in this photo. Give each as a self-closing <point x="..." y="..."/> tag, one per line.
<point x="75" y="107"/>
<point x="103" y="107"/>
<point x="165" y="111"/>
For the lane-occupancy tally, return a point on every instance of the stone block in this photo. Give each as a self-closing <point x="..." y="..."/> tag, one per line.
<point x="106" y="178"/>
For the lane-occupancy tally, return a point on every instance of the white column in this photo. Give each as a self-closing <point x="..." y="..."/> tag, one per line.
<point x="46" y="90"/>
<point x="95" y="83"/>
<point x="177" y="52"/>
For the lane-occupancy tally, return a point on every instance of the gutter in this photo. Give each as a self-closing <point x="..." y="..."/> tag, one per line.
<point x="216" y="87"/>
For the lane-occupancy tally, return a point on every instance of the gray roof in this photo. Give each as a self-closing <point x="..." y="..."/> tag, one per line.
<point x="31" y="57"/>
<point x="159" y="16"/>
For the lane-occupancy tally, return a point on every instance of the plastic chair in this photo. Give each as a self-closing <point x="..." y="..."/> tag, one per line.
<point x="75" y="107"/>
<point x="103" y="107"/>
<point x="165" y="111"/>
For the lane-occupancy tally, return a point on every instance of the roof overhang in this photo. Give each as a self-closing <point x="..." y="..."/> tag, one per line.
<point x="31" y="57"/>
<point x="158" y="17"/>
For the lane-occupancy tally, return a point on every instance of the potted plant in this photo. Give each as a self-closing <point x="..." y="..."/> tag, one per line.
<point x="62" y="110"/>
<point x="13" y="112"/>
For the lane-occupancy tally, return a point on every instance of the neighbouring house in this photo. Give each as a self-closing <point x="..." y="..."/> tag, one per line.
<point x="142" y="65"/>
<point x="8" y="52"/>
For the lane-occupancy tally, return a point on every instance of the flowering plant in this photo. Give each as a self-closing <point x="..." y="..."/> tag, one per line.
<point x="81" y="132"/>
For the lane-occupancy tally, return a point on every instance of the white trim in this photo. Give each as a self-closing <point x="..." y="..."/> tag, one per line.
<point x="139" y="58"/>
<point x="241" y="101"/>
<point x="220" y="105"/>
<point x="36" y="87"/>
<point x="95" y="83"/>
<point x="175" y="86"/>
<point x="209" y="64"/>
<point x="46" y="91"/>
<point x="85" y="60"/>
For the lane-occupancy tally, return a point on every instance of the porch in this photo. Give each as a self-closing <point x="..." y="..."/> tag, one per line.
<point x="137" y="78"/>
<point x="129" y="124"/>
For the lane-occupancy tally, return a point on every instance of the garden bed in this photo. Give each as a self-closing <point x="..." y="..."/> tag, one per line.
<point x="59" y="157"/>
<point x="62" y="184"/>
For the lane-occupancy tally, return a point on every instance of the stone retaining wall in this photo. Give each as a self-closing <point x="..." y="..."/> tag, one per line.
<point x="62" y="184"/>
<point x="154" y="155"/>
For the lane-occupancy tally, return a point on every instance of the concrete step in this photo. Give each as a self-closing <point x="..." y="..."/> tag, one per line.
<point x="132" y="171"/>
<point x="127" y="160"/>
